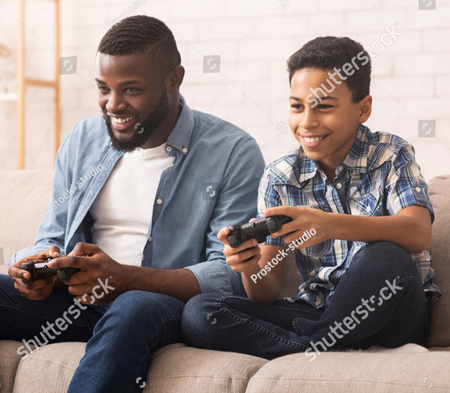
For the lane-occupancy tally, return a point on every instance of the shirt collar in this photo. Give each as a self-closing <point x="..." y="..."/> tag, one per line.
<point x="180" y="136"/>
<point x="301" y="168"/>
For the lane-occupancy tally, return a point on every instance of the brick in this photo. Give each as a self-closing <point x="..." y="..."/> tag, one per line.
<point x="442" y="85"/>
<point x="423" y="64"/>
<point x="366" y="21"/>
<point x="404" y="87"/>
<point x="437" y="41"/>
<point x="331" y="5"/>
<point x="428" y="109"/>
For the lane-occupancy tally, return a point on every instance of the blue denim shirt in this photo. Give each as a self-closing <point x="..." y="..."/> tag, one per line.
<point x="212" y="183"/>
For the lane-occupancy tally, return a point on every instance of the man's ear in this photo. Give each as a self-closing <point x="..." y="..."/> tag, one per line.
<point x="365" y="108"/>
<point x="175" y="79"/>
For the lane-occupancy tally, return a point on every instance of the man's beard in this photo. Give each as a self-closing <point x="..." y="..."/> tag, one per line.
<point x="144" y="130"/>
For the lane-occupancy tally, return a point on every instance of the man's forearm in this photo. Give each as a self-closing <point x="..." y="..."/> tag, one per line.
<point x="407" y="232"/>
<point x="178" y="283"/>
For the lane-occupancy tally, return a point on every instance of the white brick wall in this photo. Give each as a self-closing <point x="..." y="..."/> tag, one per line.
<point x="411" y="77"/>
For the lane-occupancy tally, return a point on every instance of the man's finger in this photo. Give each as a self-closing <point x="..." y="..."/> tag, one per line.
<point x="84" y="249"/>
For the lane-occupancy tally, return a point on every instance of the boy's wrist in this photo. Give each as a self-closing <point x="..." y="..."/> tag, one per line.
<point x="336" y="226"/>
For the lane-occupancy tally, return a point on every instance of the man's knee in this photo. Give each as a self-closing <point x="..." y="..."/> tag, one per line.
<point x="144" y="306"/>
<point x="198" y="315"/>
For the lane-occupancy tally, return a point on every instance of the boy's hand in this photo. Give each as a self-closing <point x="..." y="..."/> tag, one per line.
<point x="243" y="258"/>
<point x="100" y="278"/>
<point x="303" y="219"/>
<point x="42" y="287"/>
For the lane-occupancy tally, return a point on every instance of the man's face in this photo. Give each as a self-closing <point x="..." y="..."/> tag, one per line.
<point x="132" y="97"/>
<point x="325" y="127"/>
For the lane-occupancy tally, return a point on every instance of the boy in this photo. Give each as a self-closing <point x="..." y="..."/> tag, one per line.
<point x="361" y="220"/>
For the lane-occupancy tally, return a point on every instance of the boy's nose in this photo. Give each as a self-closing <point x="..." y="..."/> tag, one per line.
<point x="308" y="120"/>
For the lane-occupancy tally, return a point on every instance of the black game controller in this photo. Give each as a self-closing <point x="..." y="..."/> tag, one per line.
<point x="258" y="229"/>
<point x="39" y="269"/>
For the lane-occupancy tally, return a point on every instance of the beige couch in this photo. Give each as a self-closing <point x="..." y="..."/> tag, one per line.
<point x="181" y="369"/>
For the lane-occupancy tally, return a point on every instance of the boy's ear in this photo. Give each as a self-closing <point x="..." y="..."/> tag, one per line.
<point x="365" y="108"/>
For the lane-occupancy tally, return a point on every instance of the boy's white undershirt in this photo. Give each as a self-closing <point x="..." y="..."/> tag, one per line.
<point x="123" y="209"/>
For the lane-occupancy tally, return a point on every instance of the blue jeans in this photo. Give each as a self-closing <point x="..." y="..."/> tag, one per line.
<point x="379" y="301"/>
<point x="120" y="340"/>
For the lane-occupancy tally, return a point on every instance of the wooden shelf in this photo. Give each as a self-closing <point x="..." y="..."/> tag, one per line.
<point x="23" y="82"/>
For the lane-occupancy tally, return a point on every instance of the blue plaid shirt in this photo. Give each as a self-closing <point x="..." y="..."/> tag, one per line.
<point x="378" y="177"/>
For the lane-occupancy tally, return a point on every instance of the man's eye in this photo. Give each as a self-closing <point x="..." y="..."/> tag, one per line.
<point x="297" y="106"/>
<point x="102" y="88"/>
<point x="323" y="106"/>
<point x="131" y="89"/>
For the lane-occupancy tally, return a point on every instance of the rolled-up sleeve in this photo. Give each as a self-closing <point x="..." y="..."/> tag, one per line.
<point x="406" y="185"/>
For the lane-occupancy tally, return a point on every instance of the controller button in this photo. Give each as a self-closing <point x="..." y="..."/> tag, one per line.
<point x="233" y="239"/>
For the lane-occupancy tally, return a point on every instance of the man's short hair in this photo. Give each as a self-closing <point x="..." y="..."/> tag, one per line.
<point x="142" y="34"/>
<point x="328" y="53"/>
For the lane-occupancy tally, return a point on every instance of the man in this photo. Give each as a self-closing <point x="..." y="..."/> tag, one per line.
<point x="143" y="228"/>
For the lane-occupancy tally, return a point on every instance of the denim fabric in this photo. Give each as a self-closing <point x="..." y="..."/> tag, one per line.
<point x="379" y="301"/>
<point x="212" y="184"/>
<point x="125" y="336"/>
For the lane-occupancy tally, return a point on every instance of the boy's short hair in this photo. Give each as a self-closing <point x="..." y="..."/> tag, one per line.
<point x="328" y="53"/>
<point x="142" y="34"/>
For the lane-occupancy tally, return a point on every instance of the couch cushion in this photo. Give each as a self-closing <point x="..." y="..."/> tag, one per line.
<point x="183" y="369"/>
<point x="49" y="369"/>
<point x="354" y="373"/>
<point x="23" y="194"/>
<point x="9" y="362"/>
<point x="439" y="189"/>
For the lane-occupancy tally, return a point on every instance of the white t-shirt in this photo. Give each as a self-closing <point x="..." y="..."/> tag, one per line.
<point x="123" y="209"/>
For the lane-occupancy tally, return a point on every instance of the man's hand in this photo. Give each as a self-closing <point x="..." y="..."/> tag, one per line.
<point x="243" y="258"/>
<point x="303" y="219"/>
<point x="42" y="287"/>
<point x="100" y="279"/>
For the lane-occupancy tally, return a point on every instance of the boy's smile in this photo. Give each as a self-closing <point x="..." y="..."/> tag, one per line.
<point x="325" y="126"/>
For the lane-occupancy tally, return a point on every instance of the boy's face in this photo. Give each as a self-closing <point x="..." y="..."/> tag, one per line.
<point x="326" y="126"/>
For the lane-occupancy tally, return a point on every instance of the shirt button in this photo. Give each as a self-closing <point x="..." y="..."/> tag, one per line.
<point x="150" y="238"/>
<point x="159" y="201"/>
<point x="340" y="167"/>
<point x="418" y="189"/>
<point x="169" y="148"/>
<point x="184" y="150"/>
<point x="338" y="186"/>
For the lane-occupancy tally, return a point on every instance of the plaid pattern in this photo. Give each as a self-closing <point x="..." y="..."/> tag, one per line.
<point x="379" y="177"/>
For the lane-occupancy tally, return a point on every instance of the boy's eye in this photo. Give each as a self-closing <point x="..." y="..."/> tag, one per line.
<point x="102" y="88"/>
<point x="296" y="106"/>
<point x="323" y="106"/>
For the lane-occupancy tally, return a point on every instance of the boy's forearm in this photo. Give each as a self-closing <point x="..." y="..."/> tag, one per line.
<point x="263" y="289"/>
<point x="405" y="231"/>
